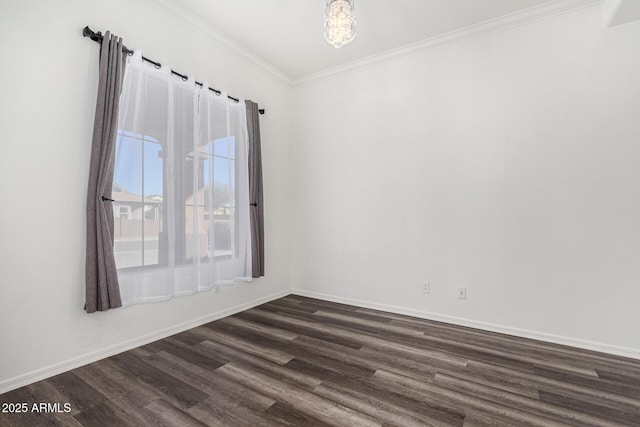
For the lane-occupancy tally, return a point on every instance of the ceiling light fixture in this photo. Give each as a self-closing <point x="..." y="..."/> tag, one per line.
<point x="339" y="22"/>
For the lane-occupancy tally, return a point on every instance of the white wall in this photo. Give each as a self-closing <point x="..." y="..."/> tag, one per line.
<point x="509" y="164"/>
<point x="48" y="78"/>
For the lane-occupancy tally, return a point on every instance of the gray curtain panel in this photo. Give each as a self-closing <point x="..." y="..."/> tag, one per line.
<point x="101" y="278"/>
<point x="255" y="190"/>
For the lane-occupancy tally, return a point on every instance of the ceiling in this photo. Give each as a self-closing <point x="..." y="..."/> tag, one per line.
<point x="288" y="34"/>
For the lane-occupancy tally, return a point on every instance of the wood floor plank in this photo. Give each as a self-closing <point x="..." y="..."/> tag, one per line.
<point x="430" y="411"/>
<point x="461" y="347"/>
<point x="382" y="409"/>
<point x="602" y="384"/>
<point x="162" y="413"/>
<point x="535" y="406"/>
<point x="478" y="418"/>
<point x="282" y="334"/>
<point x="209" y="361"/>
<point x="106" y="415"/>
<point x="546" y="383"/>
<point x="167" y="384"/>
<point x="596" y="409"/>
<point x="251" y="347"/>
<point x="124" y="396"/>
<point x="619" y="374"/>
<point x="336" y="358"/>
<point x="76" y="392"/>
<point x="111" y="381"/>
<point x="262" y="365"/>
<point x="223" y="411"/>
<point x="446" y="396"/>
<point x="284" y="303"/>
<point x="496" y="342"/>
<point x="370" y="340"/>
<point x="211" y="382"/>
<point x="283" y="414"/>
<point x="300" y="326"/>
<point x="294" y="311"/>
<point x="300" y="361"/>
<point x="322" y="372"/>
<point x="508" y="383"/>
<point x="309" y="403"/>
<point x="464" y="333"/>
<point x="334" y="308"/>
<point x="301" y="299"/>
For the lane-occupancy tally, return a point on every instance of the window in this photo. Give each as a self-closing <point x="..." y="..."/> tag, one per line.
<point x="181" y="175"/>
<point x="138" y="198"/>
<point x="224" y="206"/>
<point x="151" y="213"/>
<point x="222" y="160"/>
<point x="123" y="212"/>
<point x="215" y="193"/>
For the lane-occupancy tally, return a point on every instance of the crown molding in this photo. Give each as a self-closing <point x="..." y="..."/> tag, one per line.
<point x="516" y="19"/>
<point x="536" y="13"/>
<point x="193" y="21"/>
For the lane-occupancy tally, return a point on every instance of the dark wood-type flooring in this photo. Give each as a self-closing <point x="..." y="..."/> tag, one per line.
<point x="304" y="362"/>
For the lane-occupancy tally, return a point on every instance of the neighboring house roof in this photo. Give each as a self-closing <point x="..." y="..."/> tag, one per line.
<point x="120" y="194"/>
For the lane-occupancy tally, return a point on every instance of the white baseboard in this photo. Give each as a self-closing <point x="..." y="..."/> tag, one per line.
<point x="94" y="356"/>
<point x="524" y="333"/>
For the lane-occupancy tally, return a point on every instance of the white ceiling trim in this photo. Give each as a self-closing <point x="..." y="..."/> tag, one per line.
<point x="176" y="11"/>
<point x="523" y="17"/>
<point x="617" y="12"/>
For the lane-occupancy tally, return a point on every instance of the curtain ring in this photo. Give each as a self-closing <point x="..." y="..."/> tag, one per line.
<point x="158" y="66"/>
<point x="185" y="78"/>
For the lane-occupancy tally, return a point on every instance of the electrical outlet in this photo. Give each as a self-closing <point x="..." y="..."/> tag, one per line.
<point x="462" y="293"/>
<point x="426" y="288"/>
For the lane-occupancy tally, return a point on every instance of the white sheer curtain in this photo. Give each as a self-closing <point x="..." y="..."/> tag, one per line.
<point x="180" y="190"/>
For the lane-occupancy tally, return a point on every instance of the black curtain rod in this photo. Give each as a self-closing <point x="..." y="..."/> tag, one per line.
<point x="97" y="37"/>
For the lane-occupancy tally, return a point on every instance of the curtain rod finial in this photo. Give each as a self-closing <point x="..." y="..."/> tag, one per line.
<point x="88" y="32"/>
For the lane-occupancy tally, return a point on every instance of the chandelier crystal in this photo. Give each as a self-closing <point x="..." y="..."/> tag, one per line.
<point x="339" y="22"/>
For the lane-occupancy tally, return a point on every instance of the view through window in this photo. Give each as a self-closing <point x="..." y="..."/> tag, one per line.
<point x="140" y="202"/>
